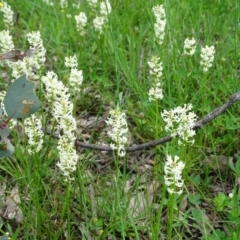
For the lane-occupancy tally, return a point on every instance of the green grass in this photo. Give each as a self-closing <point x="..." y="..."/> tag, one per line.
<point x="96" y="204"/>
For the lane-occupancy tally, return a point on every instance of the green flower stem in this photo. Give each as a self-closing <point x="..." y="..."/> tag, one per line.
<point x="170" y="218"/>
<point x="65" y="209"/>
<point x="157" y="119"/>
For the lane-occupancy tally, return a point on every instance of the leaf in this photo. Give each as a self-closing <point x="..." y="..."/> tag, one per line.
<point x="20" y="99"/>
<point x="4" y="237"/>
<point x="194" y="199"/>
<point x="221" y="201"/>
<point x="6" y="148"/>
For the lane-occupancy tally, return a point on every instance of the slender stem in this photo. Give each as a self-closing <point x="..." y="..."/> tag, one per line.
<point x="171" y="205"/>
<point x="65" y="209"/>
<point x="157" y="119"/>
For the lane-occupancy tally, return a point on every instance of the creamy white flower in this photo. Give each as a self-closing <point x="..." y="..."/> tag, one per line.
<point x="31" y="65"/>
<point x="173" y="174"/>
<point x="64" y="3"/>
<point x="119" y="131"/>
<point x="61" y="107"/>
<point x="180" y="122"/>
<point x="105" y="8"/>
<point x="33" y="130"/>
<point x="71" y="61"/>
<point x="76" y="5"/>
<point x="155" y="72"/>
<point x="75" y="80"/>
<point x="68" y="157"/>
<point x="6" y="42"/>
<point x="7" y="15"/>
<point x="155" y="66"/>
<point x="160" y="24"/>
<point x="207" y="57"/>
<point x="35" y="40"/>
<point x="159" y="12"/>
<point x="50" y="3"/>
<point x="76" y="76"/>
<point x="93" y="3"/>
<point x="98" y="23"/>
<point x="189" y="46"/>
<point x="155" y="93"/>
<point x="81" y="21"/>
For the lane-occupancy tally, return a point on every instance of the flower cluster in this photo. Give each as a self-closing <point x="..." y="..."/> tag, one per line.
<point x="93" y="3"/>
<point x="71" y="61"/>
<point x="207" y="57"/>
<point x="180" y="122"/>
<point x="189" y="46"/>
<point x="7" y="15"/>
<point x="64" y="3"/>
<point x="50" y="3"/>
<point x="100" y="21"/>
<point x="160" y="24"/>
<point x="6" y="42"/>
<point x="76" y="76"/>
<point x="155" y="72"/>
<point x="35" y="135"/>
<point x="31" y="65"/>
<point x="58" y="97"/>
<point x="119" y="132"/>
<point x="105" y="8"/>
<point x="35" y="40"/>
<point x="173" y="174"/>
<point x="81" y="21"/>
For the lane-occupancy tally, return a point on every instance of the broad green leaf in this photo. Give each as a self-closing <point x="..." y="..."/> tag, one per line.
<point x="20" y="99"/>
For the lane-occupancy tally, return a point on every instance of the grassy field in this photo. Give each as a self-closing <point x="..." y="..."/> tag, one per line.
<point x="113" y="197"/>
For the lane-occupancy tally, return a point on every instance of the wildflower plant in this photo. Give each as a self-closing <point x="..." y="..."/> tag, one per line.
<point x="7" y="15"/>
<point x="34" y="132"/>
<point x="159" y="25"/>
<point x="81" y="22"/>
<point x="50" y="3"/>
<point x="28" y="65"/>
<point x="155" y="72"/>
<point x="76" y="76"/>
<point x="174" y="181"/>
<point x="62" y="100"/>
<point x="62" y="109"/>
<point x="101" y="21"/>
<point x="6" y="42"/>
<point x="63" y="4"/>
<point x="71" y="62"/>
<point x="105" y="8"/>
<point x="173" y="174"/>
<point x="207" y="57"/>
<point x="98" y="23"/>
<point x="92" y="3"/>
<point x="189" y="46"/>
<point x="119" y="132"/>
<point x="180" y="122"/>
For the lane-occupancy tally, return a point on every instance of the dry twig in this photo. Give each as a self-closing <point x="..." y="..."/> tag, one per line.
<point x="208" y="118"/>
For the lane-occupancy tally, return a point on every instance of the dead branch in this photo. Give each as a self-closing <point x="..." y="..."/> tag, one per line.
<point x="208" y="118"/>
